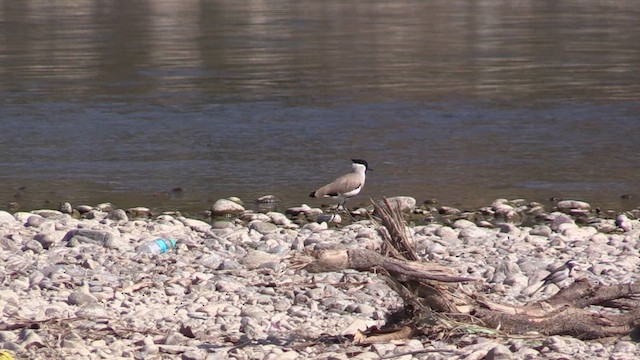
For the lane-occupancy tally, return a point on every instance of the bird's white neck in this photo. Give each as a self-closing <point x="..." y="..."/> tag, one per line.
<point x="359" y="168"/>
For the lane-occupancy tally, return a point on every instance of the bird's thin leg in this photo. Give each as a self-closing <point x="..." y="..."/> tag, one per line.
<point x="347" y="210"/>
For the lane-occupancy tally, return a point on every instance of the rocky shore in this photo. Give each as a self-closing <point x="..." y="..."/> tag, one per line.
<point x="73" y="285"/>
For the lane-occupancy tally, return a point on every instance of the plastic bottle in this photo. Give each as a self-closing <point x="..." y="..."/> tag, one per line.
<point x="157" y="246"/>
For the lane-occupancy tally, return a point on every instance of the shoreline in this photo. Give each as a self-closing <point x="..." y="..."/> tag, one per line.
<point x="70" y="294"/>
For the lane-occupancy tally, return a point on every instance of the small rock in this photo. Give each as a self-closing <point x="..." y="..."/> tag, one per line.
<point x="568" y="205"/>
<point x="174" y="289"/>
<point x="91" y="312"/>
<point x="266" y="199"/>
<point x="462" y="224"/>
<point x="329" y="218"/>
<point x="81" y="298"/>
<point x="404" y="203"/>
<point x="118" y="215"/>
<point x="45" y="213"/>
<point x="139" y="212"/>
<point x="623" y="222"/>
<point x="222" y="224"/>
<point x="226" y="207"/>
<point x="540" y="230"/>
<point x="105" y="207"/>
<point x="90" y="264"/>
<point x="176" y="338"/>
<point x="197" y="225"/>
<point x="65" y="208"/>
<point x="228" y="286"/>
<point x="45" y="239"/>
<point x="559" y="220"/>
<point x="5" y="217"/>
<point x="254" y="312"/>
<point x="34" y="246"/>
<point x="278" y="218"/>
<point x="315" y="227"/>
<point x="446" y="210"/>
<point x="89" y="236"/>
<point x="263" y="227"/>
<point x="446" y="232"/>
<point x="229" y="264"/>
<point x="303" y="209"/>
<point x="473" y="233"/>
<point x="499" y="352"/>
<point x="257" y="259"/>
<point x="249" y="216"/>
<point x="84" y="209"/>
<point x="30" y="338"/>
<point x="212" y="261"/>
<point x="366" y="310"/>
<point x="35" y="221"/>
<point x="195" y="354"/>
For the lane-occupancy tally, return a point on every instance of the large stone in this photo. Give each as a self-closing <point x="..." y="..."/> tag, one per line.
<point x="226" y="207"/>
<point x="406" y="203"/>
<point x="5" y="217"/>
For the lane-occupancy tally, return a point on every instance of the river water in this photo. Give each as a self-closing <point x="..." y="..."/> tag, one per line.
<point x="174" y="103"/>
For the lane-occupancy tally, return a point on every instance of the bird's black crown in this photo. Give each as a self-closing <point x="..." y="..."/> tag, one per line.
<point x="359" y="161"/>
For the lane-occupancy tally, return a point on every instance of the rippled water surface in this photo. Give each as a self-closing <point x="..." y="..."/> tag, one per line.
<point x="173" y="104"/>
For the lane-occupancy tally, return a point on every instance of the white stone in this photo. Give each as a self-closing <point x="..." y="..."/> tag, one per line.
<point x="278" y="218"/>
<point x="5" y="217"/>
<point x="406" y="203"/>
<point x="565" y="205"/>
<point x="463" y="223"/>
<point x="226" y="207"/>
<point x="197" y="225"/>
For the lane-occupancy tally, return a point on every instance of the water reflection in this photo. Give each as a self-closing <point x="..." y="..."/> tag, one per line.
<point x="481" y="49"/>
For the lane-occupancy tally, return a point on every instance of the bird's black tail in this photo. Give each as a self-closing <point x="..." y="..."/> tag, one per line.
<point x="313" y="194"/>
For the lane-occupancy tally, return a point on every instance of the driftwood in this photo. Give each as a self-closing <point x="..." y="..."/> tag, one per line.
<point x="438" y="302"/>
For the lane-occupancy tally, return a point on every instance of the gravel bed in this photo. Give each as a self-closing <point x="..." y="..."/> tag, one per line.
<point x="73" y="285"/>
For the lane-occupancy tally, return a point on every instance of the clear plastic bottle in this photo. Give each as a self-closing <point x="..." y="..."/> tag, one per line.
<point x="157" y="246"/>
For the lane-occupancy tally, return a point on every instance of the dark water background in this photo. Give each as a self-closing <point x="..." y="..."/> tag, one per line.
<point x="462" y="101"/>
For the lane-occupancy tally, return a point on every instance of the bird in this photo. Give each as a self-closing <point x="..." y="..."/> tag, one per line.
<point x="346" y="186"/>
<point x="558" y="275"/>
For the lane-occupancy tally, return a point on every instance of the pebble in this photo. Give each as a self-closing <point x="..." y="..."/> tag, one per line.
<point x="227" y="281"/>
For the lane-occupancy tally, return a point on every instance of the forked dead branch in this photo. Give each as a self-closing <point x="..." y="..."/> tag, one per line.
<point x="438" y="302"/>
